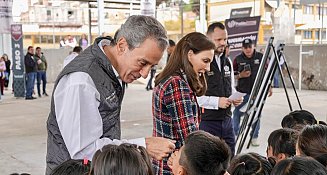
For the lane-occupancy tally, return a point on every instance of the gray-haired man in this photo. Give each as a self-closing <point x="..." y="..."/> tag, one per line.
<point x="86" y="102"/>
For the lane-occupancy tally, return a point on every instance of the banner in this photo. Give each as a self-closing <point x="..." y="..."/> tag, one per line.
<point x="5" y="15"/>
<point x="148" y="7"/>
<point x="240" y="12"/>
<point x="18" y="60"/>
<point x="240" y="28"/>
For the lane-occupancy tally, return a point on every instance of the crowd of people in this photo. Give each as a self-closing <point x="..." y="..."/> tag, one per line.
<point x="36" y="65"/>
<point x="194" y="127"/>
<point x="299" y="150"/>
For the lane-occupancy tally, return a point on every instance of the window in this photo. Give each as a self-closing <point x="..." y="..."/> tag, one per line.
<point x="323" y="34"/>
<point x="27" y="36"/>
<point x="308" y="10"/>
<point x="298" y="32"/>
<point x="44" y="39"/>
<point x="307" y="34"/>
<point x="37" y="39"/>
<point x="70" y="14"/>
<point x="57" y="38"/>
<point x="48" y="15"/>
<point x="317" y="36"/>
<point x="50" y="39"/>
<point x="322" y="10"/>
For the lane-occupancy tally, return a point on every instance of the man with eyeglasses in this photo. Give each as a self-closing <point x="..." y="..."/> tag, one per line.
<point x="246" y="66"/>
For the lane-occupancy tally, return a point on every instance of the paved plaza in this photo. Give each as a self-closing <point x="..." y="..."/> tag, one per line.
<point x="23" y="124"/>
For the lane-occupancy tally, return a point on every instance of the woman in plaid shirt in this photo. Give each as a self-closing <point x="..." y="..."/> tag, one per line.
<point x="176" y="113"/>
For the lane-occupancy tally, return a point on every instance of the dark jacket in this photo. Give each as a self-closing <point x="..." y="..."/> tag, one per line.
<point x="42" y="66"/>
<point x="30" y="63"/>
<point x="245" y="84"/>
<point x="8" y="64"/>
<point x="93" y="62"/>
<point x="219" y="85"/>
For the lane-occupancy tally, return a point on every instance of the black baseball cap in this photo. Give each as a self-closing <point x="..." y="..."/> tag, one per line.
<point x="247" y="42"/>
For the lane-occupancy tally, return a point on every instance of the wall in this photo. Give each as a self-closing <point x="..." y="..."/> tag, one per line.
<point x="314" y="74"/>
<point x="55" y="59"/>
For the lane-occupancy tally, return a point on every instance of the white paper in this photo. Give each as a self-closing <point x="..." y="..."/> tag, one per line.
<point x="236" y="95"/>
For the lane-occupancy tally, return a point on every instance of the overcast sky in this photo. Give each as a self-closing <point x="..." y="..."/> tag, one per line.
<point x="18" y="7"/>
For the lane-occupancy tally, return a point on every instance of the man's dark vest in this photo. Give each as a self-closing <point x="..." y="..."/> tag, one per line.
<point x="219" y="85"/>
<point x="245" y="84"/>
<point x="93" y="62"/>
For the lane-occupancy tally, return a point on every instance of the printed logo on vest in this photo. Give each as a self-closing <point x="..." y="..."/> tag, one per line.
<point x="210" y="73"/>
<point x="226" y="68"/>
<point x="256" y="61"/>
<point x="227" y="71"/>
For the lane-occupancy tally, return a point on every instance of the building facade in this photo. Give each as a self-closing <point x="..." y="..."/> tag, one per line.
<point x="309" y="21"/>
<point x="47" y="22"/>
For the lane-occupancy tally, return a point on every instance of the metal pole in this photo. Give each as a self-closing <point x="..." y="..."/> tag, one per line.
<point x="253" y="7"/>
<point x="300" y="67"/>
<point x="294" y="11"/>
<point x="3" y="43"/>
<point x="53" y="32"/>
<point x="322" y="22"/>
<point x="182" y="19"/>
<point x="202" y="15"/>
<point x="100" y="17"/>
<point x="90" y="26"/>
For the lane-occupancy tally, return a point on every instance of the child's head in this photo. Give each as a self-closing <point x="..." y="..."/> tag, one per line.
<point x="298" y="119"/>
<point x="312" y="142"/>
<point x="250" y="164"/>
<point x="202" y="153"/>
<point x="122" y="159"/>
<point x="282" y="144"/>
<point x="299" y="166"/>
<point x="73" y="167"/>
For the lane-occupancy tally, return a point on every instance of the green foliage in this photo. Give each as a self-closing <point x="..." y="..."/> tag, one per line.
<point x="189" y="25"/>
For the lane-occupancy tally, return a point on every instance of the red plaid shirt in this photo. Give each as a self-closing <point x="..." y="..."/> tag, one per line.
<point x="175" y="114"/>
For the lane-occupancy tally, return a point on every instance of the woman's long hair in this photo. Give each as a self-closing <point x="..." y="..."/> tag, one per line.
<point x="197" y="42"/>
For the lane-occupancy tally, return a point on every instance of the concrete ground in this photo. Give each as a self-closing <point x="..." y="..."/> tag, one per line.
<point x="23" y="124"/>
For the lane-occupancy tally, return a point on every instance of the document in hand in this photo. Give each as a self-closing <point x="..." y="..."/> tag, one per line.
<point x="236" y="95"/>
